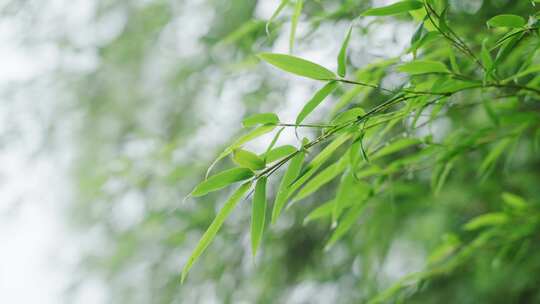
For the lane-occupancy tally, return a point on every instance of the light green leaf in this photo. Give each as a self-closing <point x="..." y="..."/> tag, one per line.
<point x="298" y="66"/>
<point x="258" y="214"/>
<point x="342" y="56"/>
<point x="394" y="9"/>
<point x="294" y="23"/>
<point x="323" y="178"/>
<point x="493" y="155"/>
<point x="247" y="159"/>
<point x="278" y="10"/>
<point x="222" y="180"/>
<point x="345" y="225"/>
<point x="279" y="153"/>
<point x="323" y="210"/>
<point x="396" y="146"/>
<point x="487" y="61"/>
<point x="260" y="119"/>
<point x="214" y="227"/>
<point x="259" y="131"/>
<point x="316" y="100"/>
<point x="530" y="70"/>
<point x="418" y="67"/>
<point x="506" y="20"/>
<point x="295" y="165"/>
<point x="349" y="115"/>
<point x="514" y="201"/>
<point x="488" y="219"/>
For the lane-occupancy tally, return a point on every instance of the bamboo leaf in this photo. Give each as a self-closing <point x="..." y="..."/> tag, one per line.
<point x="394" y="9"/>
<point x="342" y="56"/>
<point x="222" y="180"/>
<point x="292" y="172"/>
<point x="323" y="210"/>
<point x="322" y="178"/>
<point x="214" y="227"/>
<point x="260" y="119"/>
<point x="488" y="219"/>
<point x="294" y="23"/>
<point x="506" y="20"/>
<point x="316" y="100"/>
<point x="345" y="225"/>
<point x="278" y="10"/>
<point x="349" y="115"/>
<point x="247" y="159"/>
<point x="396" y="146"/>
<point x="514" y="201"/>
<point x="278" y="153"/>
<point x="258" y="214"/>
<point x="418" y="67"/>
<point x="298" y="66"/>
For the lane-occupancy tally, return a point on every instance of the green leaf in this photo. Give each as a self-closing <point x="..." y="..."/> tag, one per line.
<point x="278" y="10"/>
<point x="487" y="61"/>
<point x="292" y="172"/>
<point x="394" y="9"/>
<point x="514" y="201"/>
<point x="488" y="219"/>
<point x="298" y="66"/>
<point x="279" y="153"/>
<point x="294" y="23"/>
<point x="322" y="211"/>
<point x="349" y="115"/>
<point x="396" y="146"/>
<point x="423" y="67"/>
<point x="345" y="225"/>
<point x="493" y="155"/>
<point x="222" y="180"/>
<point x="214" y="227"/>
<point x="247" y="159"/>
<point x="323" y="178"/>
<point x="258" y="214"/>
<point x="506" y="20"/>
<point x="342" y="56"/>
<point x="260" y="119"/>
<point x="316" y="100"/>
<point x="259" y="131"/>
<point x="530" y="70"/>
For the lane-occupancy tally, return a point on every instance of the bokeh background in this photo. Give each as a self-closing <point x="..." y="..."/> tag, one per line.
<point x="112" y="111"/>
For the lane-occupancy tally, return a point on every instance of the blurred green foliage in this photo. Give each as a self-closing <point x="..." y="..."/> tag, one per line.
<point x="453" y="214"/>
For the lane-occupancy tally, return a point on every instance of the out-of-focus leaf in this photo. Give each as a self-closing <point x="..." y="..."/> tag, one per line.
<point x="506" y="20"/>
<point x="322" y="178"/>
<point x="298" y="66"/>
<point x="488" y="219"/>
<point x="258" y="214"/>
<point x="342" y="56"/>
<point x="222" y="180"/>
<point x="295" y="165"/>
<point x="294" y="23"/>
<point x="247" y="159"/>
<point x="278" y="10"/>
<point x="394" y="9"/>
<point x="316" y="100"/>
<point x="260" y="119"/>
<point x="514" y="201"/>
<point x="214" y="227"/>
<point x="322" y="211"/>
<point x="418" y="67"/>
<point x="493" y="155"/>
<point x="345" y="225"/>
<point x="396" y="146"/>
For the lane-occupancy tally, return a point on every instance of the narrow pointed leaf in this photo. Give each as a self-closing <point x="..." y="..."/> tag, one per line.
<point x="222" y="180"/>
<point x="488" y="219"/>
<point x="394" y="9"/>
<point x="396" y="146"/>
<point x="316" y="100"/>
<point x="294" y="23"/>
<point x="260" y="119"/>
<point x="298" y="66"/>
<point x="418" y="67"/>
<point x="292" y="172"/>
<point x="279" y="153"/>
<point x="322" y="178"/>
<point x="214" y="227"/>
<point x="258" y="214"/>
<point x="278" y="10"/>
<point x="342" y="56"/>
<point x="345" y="225"/>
